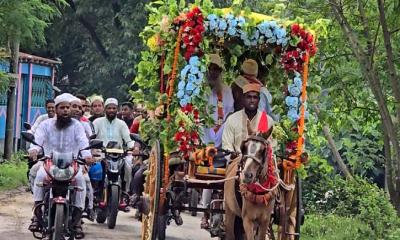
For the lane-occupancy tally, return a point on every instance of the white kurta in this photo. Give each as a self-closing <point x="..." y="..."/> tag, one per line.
<point x="235" y="130"/>
<point x="70" y="139"/>
<point x="210" y="136"/>
<point x="38" y="121"/>
<point x="116" y="130"/>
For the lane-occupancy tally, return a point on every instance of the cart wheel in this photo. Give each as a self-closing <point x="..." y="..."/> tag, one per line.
<point x="300" y="208"/>
<point x="150" y="220"/>
<point x="194" y="200"/>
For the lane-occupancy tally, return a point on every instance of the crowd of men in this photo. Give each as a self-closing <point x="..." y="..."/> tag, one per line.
<point x="72" y="120"/>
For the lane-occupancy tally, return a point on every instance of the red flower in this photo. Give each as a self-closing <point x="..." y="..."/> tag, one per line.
<point x="295" y="28"/>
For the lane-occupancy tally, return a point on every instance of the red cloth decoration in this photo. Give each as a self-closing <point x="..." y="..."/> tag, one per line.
<point x="263" y="123"/>
<point x="270" y="180"/>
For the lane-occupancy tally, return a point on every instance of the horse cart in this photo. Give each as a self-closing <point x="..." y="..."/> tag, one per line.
<point x="179" y="41"/>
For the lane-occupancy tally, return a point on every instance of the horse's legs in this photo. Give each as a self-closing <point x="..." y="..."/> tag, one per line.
<point x="229" y="224"/>
<point x="248" y="228"/>
<point x="262" y="230"/>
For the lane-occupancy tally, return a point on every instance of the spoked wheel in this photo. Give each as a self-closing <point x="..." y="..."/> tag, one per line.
<point x="290" y="207"/>
<point x="300" y="208"/>
<point x="151" y="195"/>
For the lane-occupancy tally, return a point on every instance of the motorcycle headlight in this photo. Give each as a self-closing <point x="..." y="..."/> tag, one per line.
<point x="62" y="174"/>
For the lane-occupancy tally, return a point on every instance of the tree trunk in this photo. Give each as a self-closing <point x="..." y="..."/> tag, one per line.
<point x="336" y="155"/>
<point x="394" y="78"/>
<point x="370" y="73"/>
<point x="10" y="119"/>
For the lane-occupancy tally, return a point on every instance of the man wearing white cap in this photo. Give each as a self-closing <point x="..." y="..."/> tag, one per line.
<point x="97" y="107"/>
<point x="62" y="135"/>
<point x="110" y="128"/>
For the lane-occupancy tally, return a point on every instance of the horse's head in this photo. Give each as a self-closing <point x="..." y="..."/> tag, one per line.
<point x="254" y="157"/>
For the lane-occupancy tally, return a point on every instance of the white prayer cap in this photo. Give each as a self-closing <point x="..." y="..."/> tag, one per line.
<point x="74" y="99"/>
<point x="65" y="97"/>
<point x="94" y="98"/>
<point x="111" y="101"/>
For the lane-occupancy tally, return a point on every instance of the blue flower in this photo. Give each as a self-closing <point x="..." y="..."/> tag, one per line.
<point x="284" y="42"/>
<point x="297" y="81"/>
<point x="247" y="42"/>
<point x="243" y="35"/>
<point x="263" y="27"/>
<point x="232" y="31"/>
<point x="183" y="102"/>
<point x="190" y="86"/>
<point x="280" y="32"/>
<point x="212" y="17"/>
<point x="184" y="71"/>
<point x="292" y="102"/>
<point x="191" y="78"/>
<point x="256" y="35"/>
<point x="293" y="115"/>
<point x="181" y="85"/>
<point x="222" y="25"/>
<point x="194" y="61"/>
<point x="271" y="40"/>
<point x="294" y="90"/>
<point x="213" y="25"/>
<point x="180" y="93"/>
<point x="232" y="23"/>
<point x="273" y="24"/>
<point x="196" y="91"/>
<point x="194" y="70"/>
<point x="241" y="21"/>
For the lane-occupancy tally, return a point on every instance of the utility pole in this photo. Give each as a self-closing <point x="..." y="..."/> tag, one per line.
<point x="11" y="98"/>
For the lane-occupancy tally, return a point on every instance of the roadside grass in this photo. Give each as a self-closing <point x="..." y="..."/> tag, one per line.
<point x="13" y="172"/>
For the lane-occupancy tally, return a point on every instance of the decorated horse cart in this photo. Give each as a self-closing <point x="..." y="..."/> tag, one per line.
<point x="172" y="83"/>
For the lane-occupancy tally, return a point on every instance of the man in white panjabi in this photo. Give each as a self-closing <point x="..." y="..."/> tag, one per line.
<point x="63" y="135"/>
<point x="221" y="100"/>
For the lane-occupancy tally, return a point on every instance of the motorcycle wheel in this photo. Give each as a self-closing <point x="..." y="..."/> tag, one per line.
<point x="114" y="202"/>
<point x="58" y="233"/>
<point x="101" y="215"/>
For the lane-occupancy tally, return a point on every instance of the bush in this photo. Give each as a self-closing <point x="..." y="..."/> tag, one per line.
<point x="357" y="199"/>
<point x="13" y="173"/>
<point x="332" y="227"/>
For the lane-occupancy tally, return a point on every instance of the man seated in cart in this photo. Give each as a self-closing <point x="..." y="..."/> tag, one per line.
<point x="236" y="125"/>
<point x="222" y="100"/>
<point x="250" y="71"/>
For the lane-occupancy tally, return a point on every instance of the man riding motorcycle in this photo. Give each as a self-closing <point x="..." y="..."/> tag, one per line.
<point x="77" y="113"/>
<point x="110" y="128"/>
<point x="62" y="134"/>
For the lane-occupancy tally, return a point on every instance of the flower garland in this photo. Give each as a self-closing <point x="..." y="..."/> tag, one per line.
<point x="191" y="80"/>
<point x="229" y="26"/>
<point x="192" y="33"/>
<point x="187" y="136"/>
<point x="292" y="100"/>
<point x="224" y="27"/>
<point x="295" y="55"/>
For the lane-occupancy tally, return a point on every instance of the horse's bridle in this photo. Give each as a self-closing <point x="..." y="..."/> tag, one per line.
<point x="257" y="160"/>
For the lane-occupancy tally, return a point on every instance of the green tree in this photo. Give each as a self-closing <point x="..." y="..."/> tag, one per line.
<point x="21" y="22"/>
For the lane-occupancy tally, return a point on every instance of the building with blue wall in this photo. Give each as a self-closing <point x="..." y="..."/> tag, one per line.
<point x="35" y="84"/>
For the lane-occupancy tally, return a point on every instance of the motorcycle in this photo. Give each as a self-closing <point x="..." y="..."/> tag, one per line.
<point x="55" y="213"/>
<point x="113" y="199"/>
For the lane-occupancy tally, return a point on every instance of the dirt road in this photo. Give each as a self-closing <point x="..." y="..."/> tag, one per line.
<point x="15" y="214"/>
